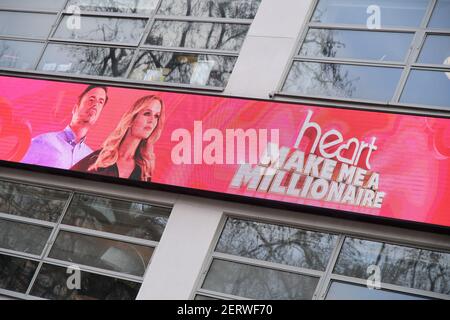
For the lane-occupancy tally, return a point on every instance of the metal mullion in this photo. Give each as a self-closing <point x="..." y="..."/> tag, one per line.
<point x="391" y="287"/>
<point x="191" y="50"/>
<point x="144" y="37"/>
<point x="30" y="221"/>
<point x="220" y="295"/>
<point x="22" y="38"/>
<point x="108" y="236"/>
<point x="107" y="14"/>
<point x="418" y="40"/>
<point x="94" y="270"/>
<point x="443" y="32"/>
<point x="204" y="19"/>
<point x="31" y="11"/>
<point x="425" y="108"/>
<point x="267" y="264"/>
<point x="209" y="259"/>
<point x="13" y="294"/>
<point x="58" y="19"/>
<point x="322" y="286"/>
<point x="366" y="62"/>
<point x="50" y="242"/>
<point x="19" y="254"/>
<point x="88" y="43"/>
<point x="109" y="44"/>
<point x="430" y="67"/>
<point x="361" y="27"/>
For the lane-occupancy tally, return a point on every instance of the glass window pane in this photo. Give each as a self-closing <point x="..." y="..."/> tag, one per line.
<point x="16" y="273"/>
<point x="436" y="50"/>
<point x="346" y="291"/>
<point x="143" y="7"/>
<point x="32" y="202"/>
<point x="179" y="67"/>
<point x="258" y="283"/>
<point x="90" y="60"/>
<point x="198" y="35"/>
<point x="122" y="217"/>
<point x="404" y="13"/>
<point x="441" y="15"/>
<point x="436" y="84"/>
<point x="32" y="5"/>
<point x="343" y="81"/>
<point x="122" y="30"/>
<point x="101" y="253"/>
<point x="51" y="283"/>
<point x="23" y="237"/>
<point x="241" y="9"/>
<point x="19" y="54"/>
<point x="372" y="45"/>
<point x="403" y="266"/>
<point x="25" y="24"/>
<point x="275" y="243"/>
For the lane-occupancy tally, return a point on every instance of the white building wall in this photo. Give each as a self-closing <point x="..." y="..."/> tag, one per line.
<point x="266" y="52"/>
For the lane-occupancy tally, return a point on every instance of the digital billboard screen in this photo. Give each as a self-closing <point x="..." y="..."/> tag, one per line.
<point x="371" y="163"/>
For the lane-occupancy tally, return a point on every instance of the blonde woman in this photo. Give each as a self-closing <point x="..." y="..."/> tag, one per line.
<point x="128" y="151"/>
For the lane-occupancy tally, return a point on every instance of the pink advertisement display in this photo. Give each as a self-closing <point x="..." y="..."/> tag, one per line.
<point x="379" y="164"/>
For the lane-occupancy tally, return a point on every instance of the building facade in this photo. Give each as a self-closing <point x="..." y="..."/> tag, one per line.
<point x="65" y="235"/>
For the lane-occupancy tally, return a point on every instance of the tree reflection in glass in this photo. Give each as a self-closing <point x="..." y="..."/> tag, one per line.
<point x="342" y="80"/>
<point x="131" y="219"/>
<point x="19" y="54"/>
<point x="23" y="237"/>
<point x="403" y="266"/>
<point x="179" y="67"/>
<point x="16" y="273"/>
<point x="199" y="35"/>
<point x="258" y="283"/>
<point x="241" y="9"/>
<point x="274" y="243"/>
<point x="101" y="253"/>
<point x="121" y="30"/>
<point x="51" y="283"/>
<point x="89" y="60"/>
<point x="32" y="202"/>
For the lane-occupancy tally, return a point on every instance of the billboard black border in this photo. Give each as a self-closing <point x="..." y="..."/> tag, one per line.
<point x="275" y="204"/>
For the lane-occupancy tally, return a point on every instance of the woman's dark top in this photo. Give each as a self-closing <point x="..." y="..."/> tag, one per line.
<point x="112" y="171"/>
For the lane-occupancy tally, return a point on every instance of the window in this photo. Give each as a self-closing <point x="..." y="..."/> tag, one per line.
<point x="180" y="42"/>
<point x="263" y="261"/>
<point x="402" y="58"/>
<point x="46" y="234"/>
<point x="256" y="260"/>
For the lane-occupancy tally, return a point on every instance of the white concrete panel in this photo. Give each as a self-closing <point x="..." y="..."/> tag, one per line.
<point x="280" y="18"/>
<point x="181" y="253"/>
<point x="260" y="66"/>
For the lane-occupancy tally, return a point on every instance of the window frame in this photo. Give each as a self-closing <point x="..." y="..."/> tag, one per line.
<point x="139" y="46"/>
<point x="57" y="227"/>
<point x="409" y="64"/>
<point x="326" y="277"/>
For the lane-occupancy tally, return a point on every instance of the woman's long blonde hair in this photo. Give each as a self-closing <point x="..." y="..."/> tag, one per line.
<point x="144" y="156"/>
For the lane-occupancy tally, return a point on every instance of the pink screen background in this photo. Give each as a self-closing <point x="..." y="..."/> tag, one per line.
<point x="413" y="156"/>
